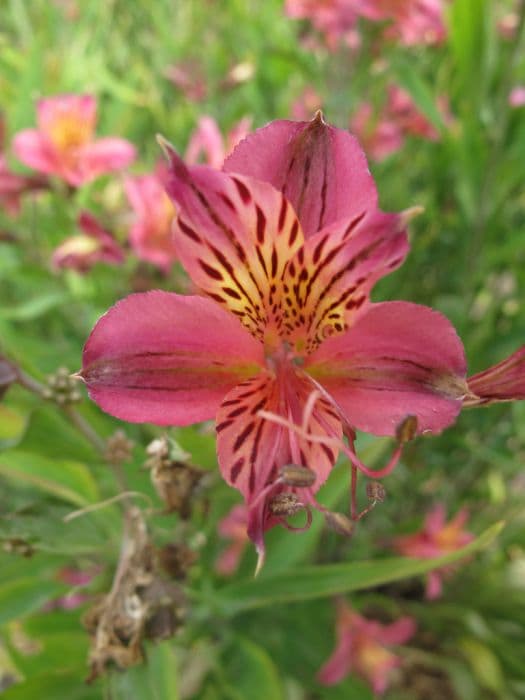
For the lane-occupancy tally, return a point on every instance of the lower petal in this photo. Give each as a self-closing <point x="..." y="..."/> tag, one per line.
<point x="167" y="359"/>
<point x="33" y="150"/>
<point x="398" y="360"/>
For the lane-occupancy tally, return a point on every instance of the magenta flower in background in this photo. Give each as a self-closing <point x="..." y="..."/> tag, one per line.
<point x="233" y="527"/>
<point x="335" y="19"/>
<point x="411" y="22"/>
<point x="207" y="143"/>
<point x="385" y="133"/>
<point x="284" y="347"/>
<point x="63" y="144"/>
<point x="436" y="539"/>
<point x="150" y="233"/>
<point x="93" y="245"/>
<point x="517" y="96"/>
<point x="362" y="648"/>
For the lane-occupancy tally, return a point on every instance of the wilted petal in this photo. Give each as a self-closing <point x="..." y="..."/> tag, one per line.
<point x="320" y="169"/>
<point x="502" y="382"/>
<point x="104" y="155"/>
<point x="398" y="360"/>
<point x="234" y="235"/>
<point x="166" y="359"/>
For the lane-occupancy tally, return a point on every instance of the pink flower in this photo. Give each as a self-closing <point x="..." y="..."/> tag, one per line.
<point x="412" y="22"/>
<point x="233" y="527"/>
<point x="362" y="648"/>
<point x="436" y="539"/>
<point x="385" y="134"/>
<point x="64" y="143"/>
<point x="517" y="96"/>
<point x="150" y="234"/>
<point x="283" y="346"/>
<point x="84" y="250"/>
<point x="207" y="140"/>
<point x="335" y="19"/>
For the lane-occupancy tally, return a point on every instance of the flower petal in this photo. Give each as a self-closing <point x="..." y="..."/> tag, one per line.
<point x="105" y="155"/>
<point x="327" y="283"/>
<point x="234" y="236"/>
<point x="399" y="359"/>
<point x="502" y="382"/>
<point x="34" y="150"/>
<point x="166" y="359"/>
<point x="320" y="169"/>
<point x="81" y="109"/>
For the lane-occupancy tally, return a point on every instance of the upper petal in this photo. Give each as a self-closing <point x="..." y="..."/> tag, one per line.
<point x="320" y="169"/>
<point x="328" y="282"/>
<point x="234" y="235"/>
<point x="167" y="359"/>
<point x="77" y="108"/>
<point x="399" y="359"/>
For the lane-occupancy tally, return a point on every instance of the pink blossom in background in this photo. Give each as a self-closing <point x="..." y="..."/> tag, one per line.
<point x="150" y="233"/>
<point x="233" y="527"/>
<point x="362" y="648"/>
<point x="436" y="539"/>
<point x="308" y="102"/>
<point x="385" y="132"/>
<point x="411" y="22"/>
<point x="64" y="143"/>
<point x="188" y="77"/>
<point x="207" y="144"/>
<point x="335" y="19"/>
<point x="517" y="96"/>
<point x="93" y="245"/>
<point x="76" y="578"/>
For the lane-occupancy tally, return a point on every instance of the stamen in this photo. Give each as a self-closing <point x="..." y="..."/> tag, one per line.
<point x="339" y="523"/>
<point x="294" y="475"/>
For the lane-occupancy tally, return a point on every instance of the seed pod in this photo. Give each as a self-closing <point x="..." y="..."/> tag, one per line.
<point x="407" y="429"/>
<point x="285" y="504"/>
<point x="295" y="475"/>
<point x="375" y="491"/>
<point x="340" y="523"/>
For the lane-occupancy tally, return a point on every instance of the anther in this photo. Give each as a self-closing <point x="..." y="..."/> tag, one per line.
<point x="375" y="492"/>
<point x="285" y="504"/>
<point x="339" y="523"/>
<point x="295" y="475"/>
<point x="407" y="429"/>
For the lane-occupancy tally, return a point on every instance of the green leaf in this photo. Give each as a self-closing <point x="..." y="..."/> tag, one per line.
<point x="252" y="672"/>
<point x="22" y="596"/>
<point x="11" y="425"/>
<point x="305" y="583"/>
<point x="64" y="479"/>
<point x="419" y="91"/>
<point x="34" y="308"/>
<point x="155" y="679"/>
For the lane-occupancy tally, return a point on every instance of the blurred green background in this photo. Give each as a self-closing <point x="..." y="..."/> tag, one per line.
<point x="264" y="639"/>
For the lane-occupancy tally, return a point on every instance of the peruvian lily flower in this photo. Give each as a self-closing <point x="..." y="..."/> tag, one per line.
<point x="150" y="233"/>
<point x="63" y="143"/>
<point x="93" y="245"/>
<point x="283" y="346"/>
<point x="412" y="22"/>
<point x="436" y="539"/>
<point x="335" y="19"/>
<point x="207" y="141"/>
<point x="233" y="527"/>
<point x="362" y="648"/>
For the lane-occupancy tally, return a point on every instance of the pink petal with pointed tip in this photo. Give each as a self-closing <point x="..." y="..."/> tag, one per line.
<point x="398" y="360"/>
<point x="234" y="235"/>
<point x="105" y="155"/>
<point x="167" y="359"/>
<point x="320" y="169"/>
<point x="34" y="150"/>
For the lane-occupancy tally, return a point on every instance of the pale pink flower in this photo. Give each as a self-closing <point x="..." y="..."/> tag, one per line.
<point x="93" y="245"/>
<point x="150" y="233"/>
<point x="207" y="144"/>
<point x="362" y="648"/>
<point x="335" y="19"/>
<point x="436" y="539"/>
<point x="233" y="527"/>
<point x="64" y="142"/>
<point x="411" y="22"/>
<point x="517" y="96"/>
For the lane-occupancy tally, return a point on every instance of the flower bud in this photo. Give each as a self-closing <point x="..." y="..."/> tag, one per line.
<point x="295" y="475"/>
<point x="285" y="504"/>
<point x="375" y="491"/>
<point x="407" y="429"/>
<point x="340" y="523"/>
